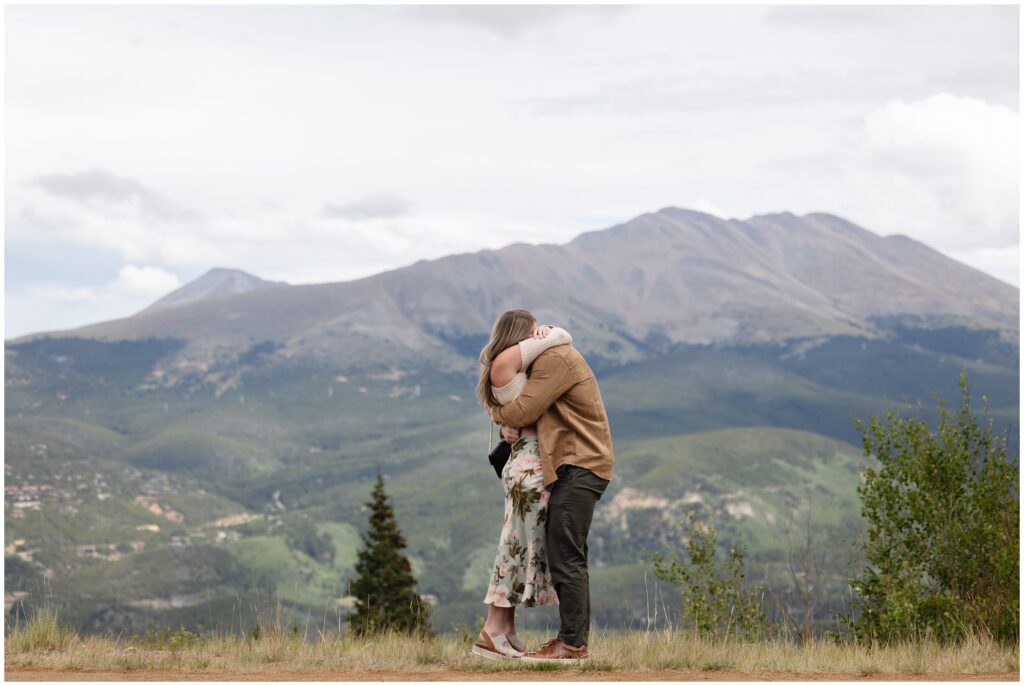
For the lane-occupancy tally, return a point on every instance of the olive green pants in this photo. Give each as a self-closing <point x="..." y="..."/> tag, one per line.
<point x="570" y="511"/>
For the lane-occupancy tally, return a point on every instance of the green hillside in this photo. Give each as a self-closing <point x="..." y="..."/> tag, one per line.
<point x="152" y="506"/>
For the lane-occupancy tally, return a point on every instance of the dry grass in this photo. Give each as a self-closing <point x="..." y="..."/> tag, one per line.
<point x="43" y="643"/>
<point x="44" y="632"/>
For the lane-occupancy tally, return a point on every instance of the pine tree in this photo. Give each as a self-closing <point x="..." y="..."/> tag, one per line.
<point x="385" y="589"/>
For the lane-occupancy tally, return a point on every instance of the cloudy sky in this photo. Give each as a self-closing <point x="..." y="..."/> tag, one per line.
<point x="146" y="145"/>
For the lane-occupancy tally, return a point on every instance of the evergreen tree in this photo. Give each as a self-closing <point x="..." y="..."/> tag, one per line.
<point x="385" y="589"/>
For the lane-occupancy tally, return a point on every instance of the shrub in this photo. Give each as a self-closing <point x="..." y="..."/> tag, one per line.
<point x="714" y="601"/>
<point x="942" y="546"/>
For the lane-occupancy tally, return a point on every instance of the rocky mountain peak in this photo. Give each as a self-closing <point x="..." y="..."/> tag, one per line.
<point x="215" y="283"/>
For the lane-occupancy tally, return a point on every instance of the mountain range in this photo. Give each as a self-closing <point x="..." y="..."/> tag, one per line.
<point x="666" y="278"/>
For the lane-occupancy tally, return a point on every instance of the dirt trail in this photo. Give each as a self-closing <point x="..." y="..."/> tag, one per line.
<point x="39" y="674"/>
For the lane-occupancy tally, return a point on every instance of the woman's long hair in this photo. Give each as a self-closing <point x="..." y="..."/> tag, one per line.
<point x="510" y="328"/>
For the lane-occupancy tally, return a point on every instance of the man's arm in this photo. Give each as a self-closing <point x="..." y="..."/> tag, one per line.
<point x="548" y="381"/>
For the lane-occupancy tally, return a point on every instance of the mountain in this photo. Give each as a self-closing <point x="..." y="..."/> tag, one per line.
<point x="666" y="278"/>
<point x="216" y="283"/>
<point x="162" y="467"/>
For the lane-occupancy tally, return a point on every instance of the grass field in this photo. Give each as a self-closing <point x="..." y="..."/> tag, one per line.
<point x="44" y="647"/>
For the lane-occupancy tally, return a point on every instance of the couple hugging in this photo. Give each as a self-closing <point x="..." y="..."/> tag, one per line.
<point x="560" y="465"/>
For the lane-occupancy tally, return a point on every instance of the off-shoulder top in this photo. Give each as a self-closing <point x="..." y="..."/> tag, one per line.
<point x="529" y="350"/>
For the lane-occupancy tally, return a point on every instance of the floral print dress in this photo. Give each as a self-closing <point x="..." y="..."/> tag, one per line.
<point x="520" y="574"/>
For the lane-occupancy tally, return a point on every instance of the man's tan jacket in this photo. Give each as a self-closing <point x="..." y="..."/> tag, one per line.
<point x="562" y="397"/>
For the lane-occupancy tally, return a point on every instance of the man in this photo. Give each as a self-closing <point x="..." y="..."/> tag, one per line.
<point x="562" y="397"/>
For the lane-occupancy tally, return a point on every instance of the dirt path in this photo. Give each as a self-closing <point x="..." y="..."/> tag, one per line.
<point x="34" y="674"/>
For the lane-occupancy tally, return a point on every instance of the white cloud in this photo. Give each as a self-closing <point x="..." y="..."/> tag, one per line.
<point x="268" y="228"/>
<point x="62" y="294"/>
<point x="705" y="205"/>
<point x="843" y="17"/>
<point x="962" y="151"/>
<point x="509" y="21"/>
<point x="133" y="283"/>
<point x="109" y="190"/>
<point x="55" y="306"/>
<point x="1002" y="263"/>
<point x="185" y="137"/>
<point x="135" y="224"/>
<point x="144" y="281"/>
<point x="370" y="207"/>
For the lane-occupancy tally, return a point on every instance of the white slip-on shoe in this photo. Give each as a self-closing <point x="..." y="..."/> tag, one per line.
<point x="494" y="647"/>
<point x="516" y="642"/>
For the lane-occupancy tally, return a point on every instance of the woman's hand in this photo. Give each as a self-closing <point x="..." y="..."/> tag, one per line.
<point x="541" y="331"/>
<point x="510" y="434"/>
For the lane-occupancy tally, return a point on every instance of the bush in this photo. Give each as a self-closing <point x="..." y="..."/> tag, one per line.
<point x="714" y="601"/>
<point x="942" y="544"/>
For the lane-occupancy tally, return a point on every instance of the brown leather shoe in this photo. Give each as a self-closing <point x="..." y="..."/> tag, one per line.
<point x="556" y="651"/>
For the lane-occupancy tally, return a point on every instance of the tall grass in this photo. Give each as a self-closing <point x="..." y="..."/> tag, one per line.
<point x="42" y="631"/>
<point x="43" y="643"/>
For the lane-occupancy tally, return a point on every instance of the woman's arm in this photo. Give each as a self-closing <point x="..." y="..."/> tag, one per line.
<point x="517" y="358"/>
<point x="533" y="347"/>
<point x="507" y="393"/>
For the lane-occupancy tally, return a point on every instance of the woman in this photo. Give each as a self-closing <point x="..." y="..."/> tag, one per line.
<point x="520" y="573"/>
